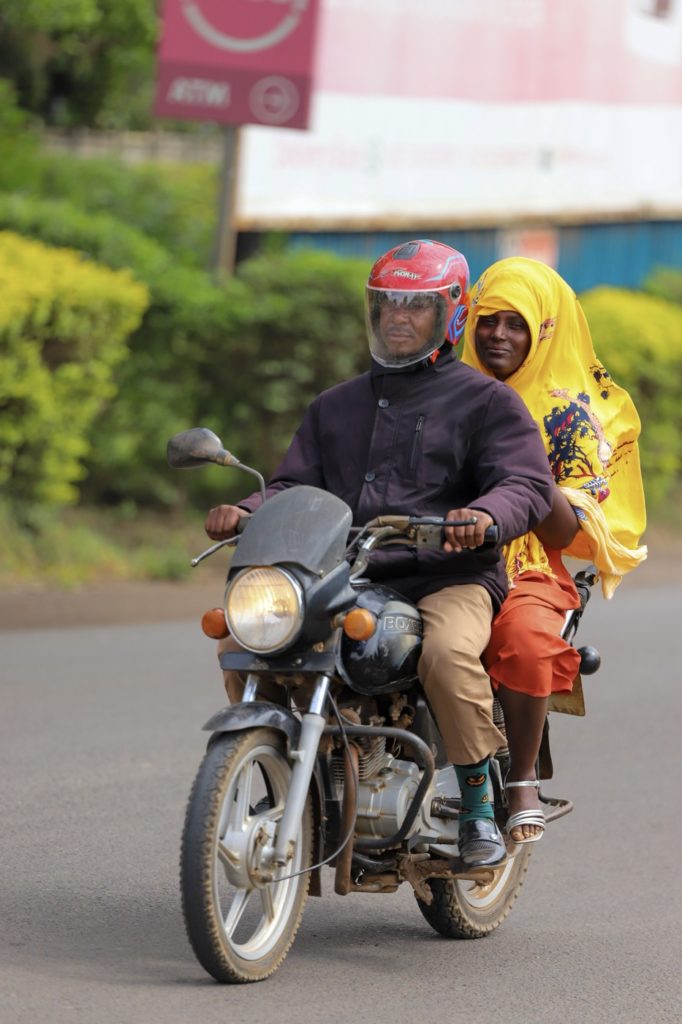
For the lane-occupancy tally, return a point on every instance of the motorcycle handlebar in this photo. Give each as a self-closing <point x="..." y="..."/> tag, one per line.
<point x="424" y="531"/>
<point x="427" y="531"/>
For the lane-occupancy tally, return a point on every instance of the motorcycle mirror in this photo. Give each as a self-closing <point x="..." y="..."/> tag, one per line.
<point x="196" y="447"/>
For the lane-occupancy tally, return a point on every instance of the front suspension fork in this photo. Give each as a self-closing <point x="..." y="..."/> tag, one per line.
<point x="304" y="756"/>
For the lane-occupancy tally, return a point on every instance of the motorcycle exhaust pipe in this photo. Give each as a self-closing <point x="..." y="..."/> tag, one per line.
<point x="351" y="763"/>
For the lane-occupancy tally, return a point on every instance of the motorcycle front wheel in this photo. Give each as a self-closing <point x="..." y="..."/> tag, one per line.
<point x="464" y="909"/>
<point x="242" y="917"/>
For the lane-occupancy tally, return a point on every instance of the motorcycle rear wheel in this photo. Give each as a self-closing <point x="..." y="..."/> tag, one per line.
<point x="241" y="930"/>
<point x="463" y="909"/>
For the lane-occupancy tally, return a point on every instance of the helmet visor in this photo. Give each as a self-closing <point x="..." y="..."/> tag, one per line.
<point x="404" y="327"/>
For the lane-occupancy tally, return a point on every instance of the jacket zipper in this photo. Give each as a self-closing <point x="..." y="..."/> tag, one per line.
<point x="416" y="443"/>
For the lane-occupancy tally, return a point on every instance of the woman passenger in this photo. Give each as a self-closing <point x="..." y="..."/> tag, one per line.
<point x="527" y="328"/>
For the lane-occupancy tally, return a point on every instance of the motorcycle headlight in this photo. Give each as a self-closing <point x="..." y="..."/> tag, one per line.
<point x="264" y="609"/>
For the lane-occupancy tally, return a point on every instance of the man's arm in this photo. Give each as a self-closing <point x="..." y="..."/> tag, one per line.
<point x="515" y="483"/>
<point x="301" y="464"/>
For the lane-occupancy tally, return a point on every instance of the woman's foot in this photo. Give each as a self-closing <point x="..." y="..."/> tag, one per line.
<point x="526" y="821"/>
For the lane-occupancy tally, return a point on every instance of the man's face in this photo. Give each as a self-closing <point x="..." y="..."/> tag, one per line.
<point x="407" y="321"/>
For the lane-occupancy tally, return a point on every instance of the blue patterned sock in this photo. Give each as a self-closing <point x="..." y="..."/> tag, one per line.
<point x="473" y="784"/>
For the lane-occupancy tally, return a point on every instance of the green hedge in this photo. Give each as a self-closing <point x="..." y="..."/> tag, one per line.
<point x="639" y="339"/>
<point x="175" y="204"/>
<point x="18" y="143"/>
<point x="665" y="283"/>
<point x="298" y="329"/>
<point x="64" y="324"/>
<point x="244" y="358"/>
<point x="158" y="382"/>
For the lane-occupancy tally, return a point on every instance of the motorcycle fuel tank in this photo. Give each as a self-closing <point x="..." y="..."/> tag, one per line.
<point x="388" y="660"/>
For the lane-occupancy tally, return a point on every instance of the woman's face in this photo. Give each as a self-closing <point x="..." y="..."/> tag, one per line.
<point x="502" y="342"/>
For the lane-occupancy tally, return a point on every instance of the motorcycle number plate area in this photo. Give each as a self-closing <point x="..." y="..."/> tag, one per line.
<point x="572" y="703"/>
<point x="301" y="525"/>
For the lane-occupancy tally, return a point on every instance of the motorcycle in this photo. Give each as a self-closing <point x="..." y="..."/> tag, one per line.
<point x="345" y="766"/>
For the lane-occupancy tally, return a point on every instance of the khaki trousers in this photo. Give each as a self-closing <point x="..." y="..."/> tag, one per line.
<point x="457" y="623"/>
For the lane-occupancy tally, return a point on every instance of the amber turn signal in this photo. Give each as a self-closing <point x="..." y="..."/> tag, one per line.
<point x="359" y="624"/>
<point x="213" y="624"/>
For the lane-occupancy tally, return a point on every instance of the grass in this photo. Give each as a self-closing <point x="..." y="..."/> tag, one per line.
<point x="75" y="547"/>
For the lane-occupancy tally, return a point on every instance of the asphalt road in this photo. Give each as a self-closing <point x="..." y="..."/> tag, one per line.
<point x="99" y="741"/>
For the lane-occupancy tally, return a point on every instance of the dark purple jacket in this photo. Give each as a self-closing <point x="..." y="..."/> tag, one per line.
<point x="422" y="441"/>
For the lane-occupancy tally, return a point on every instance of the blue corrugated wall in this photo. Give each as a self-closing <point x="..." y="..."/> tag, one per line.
<point x="620" y="254"/>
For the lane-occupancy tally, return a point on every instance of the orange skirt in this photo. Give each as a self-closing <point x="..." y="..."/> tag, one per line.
<point x="526" y="652"/>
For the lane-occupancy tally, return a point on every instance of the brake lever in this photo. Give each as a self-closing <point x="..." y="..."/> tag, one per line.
<point x="241" y="526"/>
<point x="212" y="550"/>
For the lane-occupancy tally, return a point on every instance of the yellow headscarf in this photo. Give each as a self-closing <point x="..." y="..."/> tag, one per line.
<point x="588" y="424"/>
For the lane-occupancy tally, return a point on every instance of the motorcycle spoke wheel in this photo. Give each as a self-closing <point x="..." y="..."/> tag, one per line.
<point x="464" y="909"/>
<point x="240" y="926"/>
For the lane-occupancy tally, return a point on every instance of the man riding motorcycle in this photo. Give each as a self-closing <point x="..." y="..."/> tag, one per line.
<point x="421" y="433"/>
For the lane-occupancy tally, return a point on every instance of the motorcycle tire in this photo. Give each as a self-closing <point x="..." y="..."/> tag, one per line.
<point x="463" y="909"/>
<point x="240" y="928"/>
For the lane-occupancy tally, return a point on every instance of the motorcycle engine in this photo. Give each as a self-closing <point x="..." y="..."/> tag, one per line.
<point x="386" y="788"/>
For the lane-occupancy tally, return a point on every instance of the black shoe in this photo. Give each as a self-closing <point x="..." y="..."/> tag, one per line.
<point x="481" y="844"/>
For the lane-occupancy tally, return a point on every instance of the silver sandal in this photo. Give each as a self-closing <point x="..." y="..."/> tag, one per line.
<point x="530" y="817"/>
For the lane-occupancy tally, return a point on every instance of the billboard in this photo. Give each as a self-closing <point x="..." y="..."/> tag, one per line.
<point x="237" y="61"/>
<point x="447" y="111"/>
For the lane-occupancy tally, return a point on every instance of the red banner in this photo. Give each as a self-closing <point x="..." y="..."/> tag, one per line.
<point x="237" y="61"/>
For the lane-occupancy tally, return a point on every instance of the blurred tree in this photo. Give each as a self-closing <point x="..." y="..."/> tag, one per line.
<point x="18" y="144"/>
<point x="81" y="63"/>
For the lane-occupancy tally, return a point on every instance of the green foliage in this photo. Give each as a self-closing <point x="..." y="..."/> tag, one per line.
<point x="173" y="204"/>
<point x="100" y="236"/>
<point x="81" y="62"/>
<point x="244" y="359"/>
<point x="55" y="550"/>
<point x="639" y="340"/>
<point x="158" y="384"/>
<point x="666" y="283"/>
<point x="18" y="144"/>
<point x="70" y="547"/>
<point x="298" y="329"/>
<point x="63" y="330"/>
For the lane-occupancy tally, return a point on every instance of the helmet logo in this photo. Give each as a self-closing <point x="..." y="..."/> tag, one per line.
<point x="406" y="273"/>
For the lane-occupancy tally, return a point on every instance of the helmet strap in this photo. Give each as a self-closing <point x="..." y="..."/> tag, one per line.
<point x="434" y="355"/>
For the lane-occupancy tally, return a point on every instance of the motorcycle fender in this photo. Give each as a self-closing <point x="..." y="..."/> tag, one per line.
<point x="254" y="715"/>
<point x="262" y="714"/>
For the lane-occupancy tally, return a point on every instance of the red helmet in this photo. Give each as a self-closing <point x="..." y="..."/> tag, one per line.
<point x="417" y="297"/>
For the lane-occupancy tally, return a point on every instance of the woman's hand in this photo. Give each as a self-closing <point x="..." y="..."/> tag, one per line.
<point x="459" y="537"/>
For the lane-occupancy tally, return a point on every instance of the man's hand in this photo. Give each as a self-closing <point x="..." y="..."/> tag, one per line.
<point x="459" y="537"/>
<point x="221" y="522"/>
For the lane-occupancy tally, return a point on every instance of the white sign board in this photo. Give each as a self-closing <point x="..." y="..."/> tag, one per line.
<point x="447" y="111"/>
